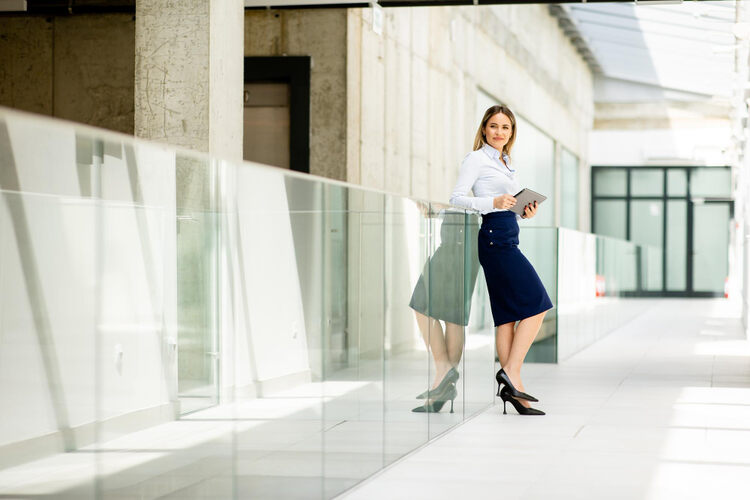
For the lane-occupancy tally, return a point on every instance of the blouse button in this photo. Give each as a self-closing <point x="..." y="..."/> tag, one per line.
<point x="491" y="243"/>
<point x="490" y="230"/>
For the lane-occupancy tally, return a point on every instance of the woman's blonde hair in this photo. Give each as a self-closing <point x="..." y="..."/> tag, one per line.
<point x="480" y="140"/>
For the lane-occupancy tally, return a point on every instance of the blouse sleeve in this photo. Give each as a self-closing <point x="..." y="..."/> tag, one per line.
<point x="467" y="176"/>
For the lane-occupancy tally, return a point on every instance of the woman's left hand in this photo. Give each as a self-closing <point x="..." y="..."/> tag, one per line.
<point x="529" y="211"/>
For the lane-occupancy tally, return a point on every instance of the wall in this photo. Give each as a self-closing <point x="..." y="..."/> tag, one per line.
<point x="413" y="92"/>
<point x="82" y="67"/>
<point x="395" y="111"/>
<point x="320" y="34"/>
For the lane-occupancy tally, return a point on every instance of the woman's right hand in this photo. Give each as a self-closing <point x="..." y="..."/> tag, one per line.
<point x="504" y="201"/>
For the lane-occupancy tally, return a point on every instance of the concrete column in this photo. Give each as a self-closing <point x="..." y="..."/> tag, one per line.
<point x="189" y="74"/>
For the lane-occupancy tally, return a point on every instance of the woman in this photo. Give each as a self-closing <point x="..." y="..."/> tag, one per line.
<point x="516" y="292"/>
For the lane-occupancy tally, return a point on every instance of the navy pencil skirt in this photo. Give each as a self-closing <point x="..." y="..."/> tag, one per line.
<point x="516" y="292"/>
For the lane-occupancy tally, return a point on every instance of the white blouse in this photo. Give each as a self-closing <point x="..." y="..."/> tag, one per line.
<point x="483" y="173"/>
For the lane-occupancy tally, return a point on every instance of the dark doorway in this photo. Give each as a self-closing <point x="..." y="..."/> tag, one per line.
<point x="277" y="112"/>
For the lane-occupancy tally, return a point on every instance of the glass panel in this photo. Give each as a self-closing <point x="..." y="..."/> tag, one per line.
<point x="479" y="359"/>
<point x="407" y="295"/>
<point x="716" y="182"/>
<point x="610" y="182"/>
<point x="596" y="271"/>
<point x="610" y="218"/>
<point x="197" y="349"/>
<point x="354" y="397"/>
<point x="676" y="245"/>
<point x="48" y="291"/>
<point x="446" y="313"/>
<point x="616" y="267"/>
<point x="148" y="338"/>
<point x="534" y="162"/>
<point x="710" y="246"/>
<point x="646" y="182"/>
<point x="539" y="246"/>
<point x="569" y="190"/>
<point x="274" y="299"/>
<point x="646" y="229"/>
<point x="676" y="182"/>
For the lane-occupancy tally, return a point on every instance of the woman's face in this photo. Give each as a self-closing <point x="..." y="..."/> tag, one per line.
<point x="498" y="130"/>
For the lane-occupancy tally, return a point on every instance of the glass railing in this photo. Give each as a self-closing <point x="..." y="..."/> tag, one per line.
<point x="594" y="274"/>
<point x="176" y="324"/>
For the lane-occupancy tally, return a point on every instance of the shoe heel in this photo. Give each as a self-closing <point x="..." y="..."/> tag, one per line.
<point x="504" y="412"/>
<point x="451" y="406"/>
<point x="498" y="389"/>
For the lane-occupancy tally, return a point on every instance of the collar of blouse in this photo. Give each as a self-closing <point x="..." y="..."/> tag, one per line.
<point x="495" y="155"/>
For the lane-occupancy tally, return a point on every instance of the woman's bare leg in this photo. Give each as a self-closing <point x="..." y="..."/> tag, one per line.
<point x="454" y="342"/>
<point x="524" y="336"/>
<point x="432" y="333"/>
<point x="503" y="342"/>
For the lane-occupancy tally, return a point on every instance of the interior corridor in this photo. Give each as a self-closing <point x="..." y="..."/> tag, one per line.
<point x="658" y="409"/>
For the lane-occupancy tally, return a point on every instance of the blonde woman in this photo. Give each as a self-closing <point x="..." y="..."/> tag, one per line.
<point x="516" y="292"/>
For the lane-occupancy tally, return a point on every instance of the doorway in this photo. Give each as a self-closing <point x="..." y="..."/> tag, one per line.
<point x="266" y="123"/>
<point x="277" y="112"/>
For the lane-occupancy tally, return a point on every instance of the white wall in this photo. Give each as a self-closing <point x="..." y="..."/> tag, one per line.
<point x="694" y="146"/>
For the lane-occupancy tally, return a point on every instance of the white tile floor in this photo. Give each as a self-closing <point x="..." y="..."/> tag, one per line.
<point x="659" y="409"/>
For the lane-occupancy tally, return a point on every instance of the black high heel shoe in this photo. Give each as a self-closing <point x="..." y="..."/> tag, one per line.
<point x="450" y="377"/>
<point x="437" y="401"/>
<point x="521" y="409"/>
<point x="502" y="378"/>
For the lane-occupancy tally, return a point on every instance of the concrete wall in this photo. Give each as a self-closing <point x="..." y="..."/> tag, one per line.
<point x="413" y="91"/>
<point x="321" y="34"/>
<point x="78" y="68"/>
<point x="395" y="111"/>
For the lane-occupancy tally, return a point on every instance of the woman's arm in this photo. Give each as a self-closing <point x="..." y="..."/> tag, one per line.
<point x="466" y="178"/>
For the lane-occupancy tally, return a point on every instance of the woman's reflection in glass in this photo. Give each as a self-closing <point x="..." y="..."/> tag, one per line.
<point x="443" y="293"/>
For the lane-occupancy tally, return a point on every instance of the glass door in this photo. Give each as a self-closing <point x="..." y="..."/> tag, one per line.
<point x="710" y="256"/>
<point x="679" y="216"/>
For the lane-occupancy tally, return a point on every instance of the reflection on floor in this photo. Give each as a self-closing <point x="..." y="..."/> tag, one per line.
<point x="659" y="409"/>
<point x="313" y="441"/>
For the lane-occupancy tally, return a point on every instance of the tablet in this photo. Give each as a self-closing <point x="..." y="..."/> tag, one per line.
<point x="525" y="197"/>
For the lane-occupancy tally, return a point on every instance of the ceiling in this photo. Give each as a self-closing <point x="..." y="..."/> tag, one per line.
<point x="688" y="46"/>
